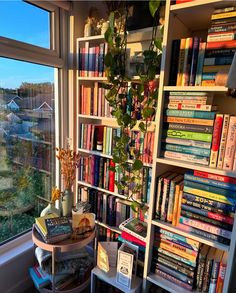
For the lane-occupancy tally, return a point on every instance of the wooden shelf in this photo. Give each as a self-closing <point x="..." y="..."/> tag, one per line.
<point x="91" y="38"/>
<point x="110" y="119"/>
<point x="220" y="89"/>
<point x="167" y="285"/>
<point x="177" y="230"/>
<point x="104" y="190"/>
<point x="197" y="167"/>
<point x="112" y="228"/>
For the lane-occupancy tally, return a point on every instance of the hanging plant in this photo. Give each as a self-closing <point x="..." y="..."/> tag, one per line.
<point x="133" y="102"/>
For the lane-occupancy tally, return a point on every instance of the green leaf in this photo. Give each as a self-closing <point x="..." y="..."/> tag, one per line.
<point x="148" y="112"/>
<point x="108" y="60"/>
<point x="134" y="206"/>
<point x="142" y="126"/>
<point x="112" y="21"/>
<point x="108" y="36"/>
<point x="158" y="44"/>
<point x="153" y="6"/>
<point x="137" y="165"/>
<point x="112" y="168"/>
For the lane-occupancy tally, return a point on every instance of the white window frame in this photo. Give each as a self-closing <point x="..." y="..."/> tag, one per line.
<point x="55" y="57"/>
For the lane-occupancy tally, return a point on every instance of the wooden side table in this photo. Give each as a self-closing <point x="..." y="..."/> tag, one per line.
<point x="110" y="278"/>
<point x="62" y="246"/>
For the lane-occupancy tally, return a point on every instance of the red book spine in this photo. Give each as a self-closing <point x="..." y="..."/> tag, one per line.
<point x="182" y="1"/>
<point x="133" y="239"/>
<point x="221" y="277"/>
<point x="111" y="177"/>
<point x="221" y="44"/>
<point x="216" y="139"/>
<point x="211" y="176"/>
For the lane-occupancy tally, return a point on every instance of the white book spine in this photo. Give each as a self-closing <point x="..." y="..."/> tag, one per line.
<point x="230" y="145"/>
<point x="223" y="141"/>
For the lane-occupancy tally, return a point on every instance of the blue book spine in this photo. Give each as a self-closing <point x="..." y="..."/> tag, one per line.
<point x="149" y="184"/>
<point x="194" y="210"/>
<point x="214" y="276"/>
<point x="208" y="202"/>
<point x="215" y="183"/>
<point x="200" y="61"/>
<point x="226" y="60"/>
<point x="208" y="75"/>
<point x="210" y="188"/>
<point x="187" y="150"/>
<point x="96" y="171"/>
<point x="190" y="114"/>
<point x="177" y="241"/>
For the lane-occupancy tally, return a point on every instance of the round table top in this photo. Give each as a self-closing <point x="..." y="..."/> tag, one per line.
<point x="62" y="246"/>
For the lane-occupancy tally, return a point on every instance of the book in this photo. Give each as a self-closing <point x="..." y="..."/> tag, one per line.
<point x="194" y="61"/>
<point x="195" y="107"/>
<point x="187" y="142"/>
<point x="135" y="227"/>
<point x="229" y="27"/>
<point x="187" y="61"/>
<point x="221" y="37"/>
<point x="215" y="271"/>
<point x="190" y="114"/>
<point x="40" y="278"/>
<point x="208" y="269"/>
<point x="207" y="137"/>
<point x="221" y="45"/>
<point x="40" y="222"/>
<point x="58" y="226"/>
<point x="217" y="177"/>
<point x="186" y="149"/>
<point x="201" y="266"/>
<point x="223" y="141"/>
<point x="221" y="274"/>
<point x="216" y="140"/>
<point x="183" y="120"/>
<point x="230" y="145"/>
<point x="200" y="61"/>
<point x="177" y="202"/>
<point x="186" y="157"/>
<point x="223" y="15"/>
<point x="218" y="60"/>
<point x="175" y="50"/>
<point x="181" y="62"/>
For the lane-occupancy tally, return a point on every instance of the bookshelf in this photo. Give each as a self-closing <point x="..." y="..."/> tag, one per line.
<point x="188" y="19"/>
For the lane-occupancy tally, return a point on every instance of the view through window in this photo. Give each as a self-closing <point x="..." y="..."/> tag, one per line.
<point x="27" y="148"/>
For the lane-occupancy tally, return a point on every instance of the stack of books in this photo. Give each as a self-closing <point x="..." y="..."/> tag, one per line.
<point x="52" y="228"/>
<point x="95" y="170"/>
<point x="188" y="127"/>
<point x="91" y="60"/>
<point x="187" y="263"/>
<point x="93" y="102"/>
<point x="208" y="206"/>
<point x="101" y="138"/>
<point x="221" y="44"/>
<point x="175" y="258"/>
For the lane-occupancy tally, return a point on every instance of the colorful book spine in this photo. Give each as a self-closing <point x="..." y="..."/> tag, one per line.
<point x="214" y="276"/>
<point x="200" y="62"/>
<point x="216" y="139"/>
<point x="207" y="137"/>
<point x="195" y="107"/>
<point x="218" y="60"/>
<point x="190" y="114"/>
<point x="193" y="66"/>
<point x="222" y="28"/>
<point x="222" y="273"/>
<point x="187" y="142"/>
<point x="177" y="248"/>
<point x="212" y="176"/>
<point x="216" y="183"/>
<point x="206" y="227"/>
<point x="210" y="215"/>
<point x="186" y="150"/>
<point x="171" y="197"/>
<point x="223" y="15"/>
<point x="181" y="62"/>
<point x="221" y="45"/>
<point x="230" y="145"/>
<point x="186" y="157"/>
<point x="223" y="140"/>
<point x="182" y="120"/>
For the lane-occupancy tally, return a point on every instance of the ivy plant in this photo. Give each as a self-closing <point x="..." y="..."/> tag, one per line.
<point x="133" y="101"/>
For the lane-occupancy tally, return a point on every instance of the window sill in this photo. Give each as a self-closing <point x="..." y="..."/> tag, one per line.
<point x="16" y="247"/>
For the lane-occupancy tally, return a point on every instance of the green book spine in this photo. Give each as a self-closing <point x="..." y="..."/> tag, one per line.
<point x="207" y="137"/>
<point x="190" y="114"/>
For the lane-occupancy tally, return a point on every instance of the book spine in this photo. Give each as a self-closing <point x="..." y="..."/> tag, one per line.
<point x="200" y="62"/>
<point x="176" y="257"/>
<point x="218" y="60"/>
<point x="176" y="203"/>
<point x="216" y="183"/>
<point x="111" y="177"/>
<point x="194" y="121"/>
<point x="214" y="276"/>
<point x="181" y="62"/>
<point x="174" y="60"/>
<point x="212" y="176"/>
<point x="193" y="71"/>
<point x="200" y="271"/>
<point x="205" y="227"/>
<point x="178" y="249"/>
<point x="222" y="28"/>
<point x="221" y="277"/>
<point x="207" y="273"/>
<point x="216" y="68"/>
<point x="208" y="76"/>
<point x="221" y="44"/>
<point x="164" y="204"/>
<point x="195" y="107"/>
<point x="230" y="145"/>
<point x="220" y="52"/>
<point x="159" y="198"/>
<point x="204" y="233"/>
<point x="211" y="189"/>
<point x="176" y="237"/>
<point x="223" y="141"/>
<point x="190" y="114"/>
<point x="210" y="195"/>
<point x="204" y="219"/>
<point x="186" y="142"/>
<point x="173" y="280"/>
<point x="210" y="215"/>
<point x="216" y="140"/>
<point x="178" y="242"/>
<point x="186" y="157"/>
<point x="207" y="137"/>
<point x="187" y="61"/>
<point x="175" y="274"/>
<point x="221" y="37"/>
<point x="186" y="150"/>
<point x="223" y="15"/>
<point x="204" y="203"/>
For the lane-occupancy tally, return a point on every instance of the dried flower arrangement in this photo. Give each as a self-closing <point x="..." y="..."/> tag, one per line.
<point x="69" y="161"/>
<point x="56" y="194"/>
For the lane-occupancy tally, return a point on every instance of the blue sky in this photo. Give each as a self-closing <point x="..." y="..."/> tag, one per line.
<point x="27" y="23"/>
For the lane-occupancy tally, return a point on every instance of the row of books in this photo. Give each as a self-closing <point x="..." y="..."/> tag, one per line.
<point x="188" y="264"/>
<point x="93" y="102"/>
<point x="102" y="138"/>
<point x="195" y="62"/>
<point x="109" y="209"/>
<point x="188" y="127"/>
<point x="221" y="36"/>
<point x="91" y="60"/>
<point x="202" y="204"/>
<point x="95" y="170"/>
<point x="106" y="234"/>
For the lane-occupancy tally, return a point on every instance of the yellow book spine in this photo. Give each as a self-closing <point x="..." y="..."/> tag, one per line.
<point x="223" y="15"/>
<point x="183" y="120"/>
<point x="177" y="251"/>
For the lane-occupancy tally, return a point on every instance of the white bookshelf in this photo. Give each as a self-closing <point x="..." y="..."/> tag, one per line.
<point x="181" y="21"/>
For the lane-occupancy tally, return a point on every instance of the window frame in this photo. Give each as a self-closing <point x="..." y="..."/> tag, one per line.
<point x="55" y="57"/>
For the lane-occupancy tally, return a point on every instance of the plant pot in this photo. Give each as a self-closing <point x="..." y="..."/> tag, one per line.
<point x="67" y="202"/>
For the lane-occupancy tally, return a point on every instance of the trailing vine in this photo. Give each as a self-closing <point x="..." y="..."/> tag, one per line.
<point x="133" y="102"/>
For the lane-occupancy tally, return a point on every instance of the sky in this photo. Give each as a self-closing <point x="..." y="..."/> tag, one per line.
<point x="27" y="23"/>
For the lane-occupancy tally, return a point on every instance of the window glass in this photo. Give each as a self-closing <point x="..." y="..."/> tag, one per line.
<point x="25" y="22"/>
<point x="27" y="149"/>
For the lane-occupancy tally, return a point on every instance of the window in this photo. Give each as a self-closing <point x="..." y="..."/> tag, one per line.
<point x="23" y="22"/>
<point x="32" y="81"/>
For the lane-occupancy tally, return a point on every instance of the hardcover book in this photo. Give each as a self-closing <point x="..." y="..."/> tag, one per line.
<point x="135" y="227"/>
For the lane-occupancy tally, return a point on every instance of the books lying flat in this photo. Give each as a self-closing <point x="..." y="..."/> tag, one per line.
<point x="135" y="227"/>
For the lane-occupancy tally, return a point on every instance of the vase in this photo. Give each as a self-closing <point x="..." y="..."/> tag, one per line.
<point x="50" y="209"/>
<point x="67" y="202"/>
